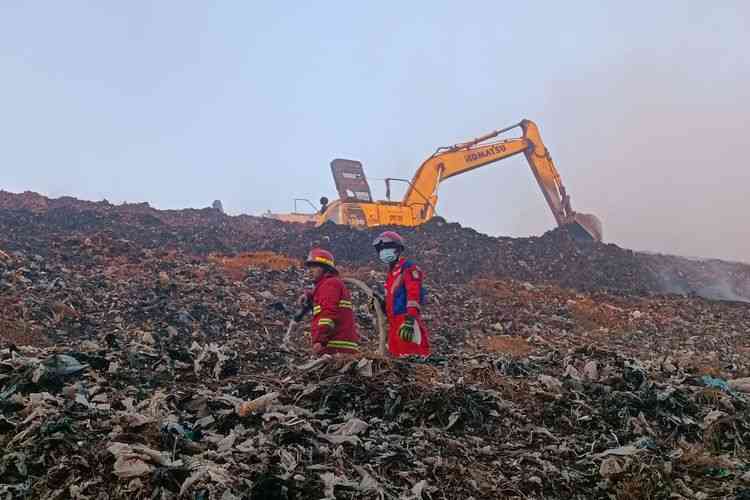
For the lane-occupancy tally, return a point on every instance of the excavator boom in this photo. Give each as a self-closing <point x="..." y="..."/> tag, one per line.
<point x="449" y="162"/>
<point x="421" y="197"/>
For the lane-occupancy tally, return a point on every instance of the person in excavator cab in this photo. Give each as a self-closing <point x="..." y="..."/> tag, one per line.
<point x="334" y="330"/>
<point x="404" y="297"/>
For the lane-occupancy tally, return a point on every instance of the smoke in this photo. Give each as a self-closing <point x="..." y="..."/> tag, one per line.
<point x="721" y="291"/>
<point x="710" y="279"/>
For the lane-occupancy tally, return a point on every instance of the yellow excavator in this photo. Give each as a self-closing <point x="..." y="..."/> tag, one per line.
<point x="355" y="206"/>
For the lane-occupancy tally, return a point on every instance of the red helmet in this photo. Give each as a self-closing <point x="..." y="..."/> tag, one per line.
<point x="389" y="238"/>
<point x="318" y="256"/>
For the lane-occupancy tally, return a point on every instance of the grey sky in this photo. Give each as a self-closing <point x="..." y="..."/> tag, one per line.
<point x="645" y="106"/>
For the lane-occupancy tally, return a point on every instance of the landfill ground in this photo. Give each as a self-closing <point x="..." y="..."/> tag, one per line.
<point x="142" y="356"/>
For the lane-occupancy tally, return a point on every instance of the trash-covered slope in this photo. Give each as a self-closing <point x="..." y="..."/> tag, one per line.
<point x="128" y="370"/>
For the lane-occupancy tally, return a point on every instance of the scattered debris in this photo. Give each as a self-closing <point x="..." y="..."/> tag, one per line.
<point x="169" y="380"/>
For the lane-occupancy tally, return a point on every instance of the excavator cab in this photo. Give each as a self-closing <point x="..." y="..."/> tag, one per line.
<point x="353" y="189"/>
<point x="356" y="206"/>
<point x="351" y="183"/>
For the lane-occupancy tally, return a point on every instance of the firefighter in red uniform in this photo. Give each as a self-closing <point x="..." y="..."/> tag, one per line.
<point x="333" y="328"/>
<point x="404" y="296"/>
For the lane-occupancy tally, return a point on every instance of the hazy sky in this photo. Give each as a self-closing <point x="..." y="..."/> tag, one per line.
<point x="645" y="106"/>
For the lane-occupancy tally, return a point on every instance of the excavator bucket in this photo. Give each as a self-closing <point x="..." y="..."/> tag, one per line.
<point x="585" y="227"/>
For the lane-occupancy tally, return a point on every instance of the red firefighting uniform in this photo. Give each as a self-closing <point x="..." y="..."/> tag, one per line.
<point x="403" y="298"/>
<point x="333" y="323"/>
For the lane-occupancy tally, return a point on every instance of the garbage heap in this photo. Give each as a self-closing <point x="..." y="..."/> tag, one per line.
<point x="135" y="365"/>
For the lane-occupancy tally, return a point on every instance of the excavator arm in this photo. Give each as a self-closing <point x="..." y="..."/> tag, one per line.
<point x="421" y="196"/>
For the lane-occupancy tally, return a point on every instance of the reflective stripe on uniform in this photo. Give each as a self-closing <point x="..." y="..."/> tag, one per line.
<point x="343" y="344"/>
<point x="326" y="321"/>
<point x="346" y="304"/>
<point x="413" y="303"/>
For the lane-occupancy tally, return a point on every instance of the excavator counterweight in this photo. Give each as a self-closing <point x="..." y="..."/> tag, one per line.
<point x="355" y="206"/>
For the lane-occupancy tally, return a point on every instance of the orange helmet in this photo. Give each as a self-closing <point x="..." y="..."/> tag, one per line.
<point x="320" y="257"/>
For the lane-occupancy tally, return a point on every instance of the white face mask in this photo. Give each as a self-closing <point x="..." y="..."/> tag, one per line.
<point x="388" y="255"/>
